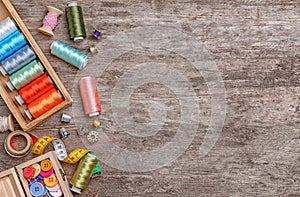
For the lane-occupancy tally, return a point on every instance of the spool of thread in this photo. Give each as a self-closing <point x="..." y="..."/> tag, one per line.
<point x="69" y="54"/>
<point x="34" y="90"/>
<point x="97" y="33"/>
<point x="6" y="123"/>
<point x="75" y="21"/>
<point x="24" y="76"/>
<point x="16" y="61"/>
<point x="11" y="44"/>
<point x="7" y="27"/>
<point x="83" y="173"/>
<point x="89" y="96"/>
<point x="43" y="104"/>
<point x="50" y="21"/>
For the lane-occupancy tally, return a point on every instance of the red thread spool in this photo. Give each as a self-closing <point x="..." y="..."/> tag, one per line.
<point x="44" y="103"/>
<point x="89" y="95"/>
<point x="34" y="90"/>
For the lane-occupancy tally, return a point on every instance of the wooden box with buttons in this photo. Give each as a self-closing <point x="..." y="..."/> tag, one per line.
<point x="41" y="176"/>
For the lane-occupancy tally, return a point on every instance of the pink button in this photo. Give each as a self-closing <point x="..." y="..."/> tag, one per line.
<point x="46" y="174"/>
<point x="56" y="194"/>
<point x="53" y="189"/>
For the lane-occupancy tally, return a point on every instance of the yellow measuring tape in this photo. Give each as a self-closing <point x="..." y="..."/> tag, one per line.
<point x="72" y="158"/>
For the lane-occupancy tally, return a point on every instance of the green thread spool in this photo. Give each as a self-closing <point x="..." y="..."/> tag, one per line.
<point x="75" y="21"/>
<point x="83" y="173"/>
<point x="24" y="76"/>
<point x="69" y="54"/>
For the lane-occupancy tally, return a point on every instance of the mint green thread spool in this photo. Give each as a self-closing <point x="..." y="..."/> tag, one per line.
<point x="69" y="54"/>
<point x="24" y="76"/>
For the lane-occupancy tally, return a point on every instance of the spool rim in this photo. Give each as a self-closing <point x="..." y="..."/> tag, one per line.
<point x="72" y="3"/>
<point x="78" y="39"/>
<point x="19" y="99"/>
<point x="55" y="10"/>
<point x="75" y="189"/>
<point x="2" y="70"/>
<point x="10" y="123"/>
<point x="10" y="85"/>
<point x="46" y="31"/>
<point x="28" y="114"/>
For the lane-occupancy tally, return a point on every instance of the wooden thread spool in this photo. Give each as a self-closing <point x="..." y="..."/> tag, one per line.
<point x="6" y="123"/>
<point x="50" y="21"/>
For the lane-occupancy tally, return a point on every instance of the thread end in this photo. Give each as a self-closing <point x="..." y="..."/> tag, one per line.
<point x="75" y="189"/>
<point x="46" y="31"/>
<point x="55" y="10"/>
<point x="10" y="123"/>
<point x="78" y="39"/>
<point x="3" y="71"/>
<point x="19" y="99"/>
<point x="28" y="114"/>
<point x="10" y="85"/>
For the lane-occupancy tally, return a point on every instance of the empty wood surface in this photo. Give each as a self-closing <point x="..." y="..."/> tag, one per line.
<point x="255" y="45"/>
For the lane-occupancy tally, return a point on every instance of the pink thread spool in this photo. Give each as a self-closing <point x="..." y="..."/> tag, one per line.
<point x="89" y="95"/>
<point x="50" y="21"/>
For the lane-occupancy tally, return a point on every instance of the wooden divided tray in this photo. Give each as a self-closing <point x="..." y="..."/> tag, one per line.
<point x="13" y="183"/>
<point x="7" y="10"/>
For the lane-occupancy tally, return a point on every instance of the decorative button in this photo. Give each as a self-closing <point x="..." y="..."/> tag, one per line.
<point x="51" y="181"/>
<point x="37" y="170"/>
<point x="37" y="189"/>
<point x="46" y="174"/>
<point x="28" y="172"/>
<point x="46" y="165"/>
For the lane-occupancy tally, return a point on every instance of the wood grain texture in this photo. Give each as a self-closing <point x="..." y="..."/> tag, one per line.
<point x="256" y="47"/>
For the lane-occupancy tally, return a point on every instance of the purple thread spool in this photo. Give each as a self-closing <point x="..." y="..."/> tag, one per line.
<point x="97" y="33"/>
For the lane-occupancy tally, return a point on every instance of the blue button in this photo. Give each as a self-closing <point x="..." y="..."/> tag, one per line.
<point x="40" y="177"/>
<point x="37" y="189"/>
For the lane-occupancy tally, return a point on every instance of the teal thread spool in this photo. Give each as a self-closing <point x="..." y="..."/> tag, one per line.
<point x="24" y="76"/>
<point x="75" y="21"/>
<point x="69" y="54"/>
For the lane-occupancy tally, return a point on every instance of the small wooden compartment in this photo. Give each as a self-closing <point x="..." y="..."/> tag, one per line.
<point x="7" y="10"/>
<point x="13" y="183"/>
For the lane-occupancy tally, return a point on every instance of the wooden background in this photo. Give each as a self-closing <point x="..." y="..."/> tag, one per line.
<point x="256" y="47"/>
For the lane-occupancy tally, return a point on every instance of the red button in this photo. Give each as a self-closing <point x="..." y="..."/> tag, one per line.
<point x="28" y="172"/>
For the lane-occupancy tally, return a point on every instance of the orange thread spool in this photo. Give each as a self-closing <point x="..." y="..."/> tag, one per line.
<point x="44" y="103"/>
<point x="35" y="89"/>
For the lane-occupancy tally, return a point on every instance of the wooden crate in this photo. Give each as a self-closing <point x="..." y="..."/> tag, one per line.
<point x="11" y="180"/>
<point x="7" y="10"/>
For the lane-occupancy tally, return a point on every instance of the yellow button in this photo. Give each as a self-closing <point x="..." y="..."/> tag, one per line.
<point x="51" y="181"/>
<point x="37" y="170"/>
<point x="46" y="165"/>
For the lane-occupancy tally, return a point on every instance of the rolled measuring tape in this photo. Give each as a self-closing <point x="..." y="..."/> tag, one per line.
<point x="60" y="150"/>
<point x="12" y="151"/>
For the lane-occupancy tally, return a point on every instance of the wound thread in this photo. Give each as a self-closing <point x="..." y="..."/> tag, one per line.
<point x="50" y="21"/>
<point x="35" y="89"/>
<point x="75" y="21"/>
<point x="11" y="44"/>
<point x="44" y="103"/>
<point x="19" y="59"/>
<point x="24" y="76"/>
<point x="89" y="95"/>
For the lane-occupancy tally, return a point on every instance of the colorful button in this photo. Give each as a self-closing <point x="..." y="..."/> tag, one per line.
<point x="28" y="172"/>
<point x="46" y="174"/>
<point x="31" y="181"/>
<point x="53" y="189"/>
<point x="51" y="181"/>
<point x="40" y="177"/>
<point x="56" y="193"/>
<point x="37" y="169"/>
<point x="37" y="189"/>
<point x="46" y="165"/>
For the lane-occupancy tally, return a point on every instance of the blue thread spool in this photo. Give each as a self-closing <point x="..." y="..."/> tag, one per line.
<point x="18" y="60"/>
<point x="69" y="54"/>
<point x="11" y="44"/>
<point x="7" y="27"/>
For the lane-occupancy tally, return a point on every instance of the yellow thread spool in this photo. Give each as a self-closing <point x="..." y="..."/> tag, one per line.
<point x="83" y="173"/>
